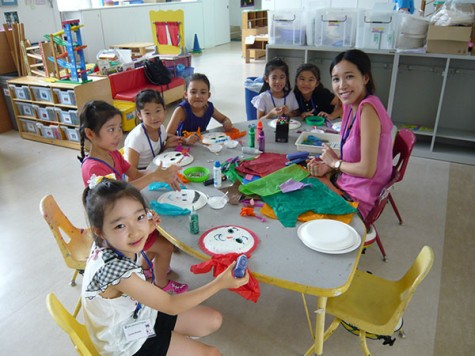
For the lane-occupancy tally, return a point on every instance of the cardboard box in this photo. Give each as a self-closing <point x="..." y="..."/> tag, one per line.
<point x="448" y="39"/>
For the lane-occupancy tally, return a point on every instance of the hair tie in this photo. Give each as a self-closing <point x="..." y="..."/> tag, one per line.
<point x="95" y="180"/>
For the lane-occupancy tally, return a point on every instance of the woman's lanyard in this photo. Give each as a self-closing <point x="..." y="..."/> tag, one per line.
<point x="119" y="176"/>
<point x="346" y="132"/>
<point x="150" y="141"/>
<point x="150" y="265"/>
<point x="272" y="98"/>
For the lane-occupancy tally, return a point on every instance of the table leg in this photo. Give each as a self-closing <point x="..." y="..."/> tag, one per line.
<point x="320" y="324"/>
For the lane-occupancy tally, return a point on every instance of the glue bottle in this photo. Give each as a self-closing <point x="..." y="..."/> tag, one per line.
<point x="194" y="221"/>
<point x="262" y="141"/>
<point x="252" y="136"/>
<point x="217" y="175"/>
<point x="259" y="129"/>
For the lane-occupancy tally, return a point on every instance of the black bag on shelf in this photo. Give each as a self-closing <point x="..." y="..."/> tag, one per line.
<point x="156" y="72"/>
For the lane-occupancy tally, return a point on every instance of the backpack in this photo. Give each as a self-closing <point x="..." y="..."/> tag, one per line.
<point x="156" y="72"/>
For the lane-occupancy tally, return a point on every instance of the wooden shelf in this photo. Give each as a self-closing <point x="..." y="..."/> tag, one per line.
<point x="254" y="23"/>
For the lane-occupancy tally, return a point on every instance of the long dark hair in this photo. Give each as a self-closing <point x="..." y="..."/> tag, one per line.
<point x="273" y="64"/>
<point x="361" y="60"/>
<point x="148" y="96"/>
<point x="94" y="115"/>
<point x="102" y="197"/>
<point x="307" y="67"/>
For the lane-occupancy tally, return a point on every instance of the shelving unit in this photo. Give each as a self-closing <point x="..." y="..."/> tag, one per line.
<point x="429" y="93"/>
<point x="254" y="22"/>
<point x="49" y="112"/>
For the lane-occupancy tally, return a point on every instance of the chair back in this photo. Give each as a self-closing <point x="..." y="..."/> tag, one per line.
<point x="74" y="243"/>
<point x="402" y="149"/>
<point x="375" y="213"/>
<point x="76" y="331"/>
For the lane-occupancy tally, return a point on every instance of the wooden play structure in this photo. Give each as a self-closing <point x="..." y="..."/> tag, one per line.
<point x="168" y="31"/>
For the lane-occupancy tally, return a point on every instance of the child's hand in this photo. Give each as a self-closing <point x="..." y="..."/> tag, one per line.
<point x="168" y="175"/>
<point x="227" y="280"/>
<point x="324" y="114"/>
<point x="307" y="114"/>
<point x="227" y="124"/>
<point x="191" y="140"/>
<point x="276" y="112"/>
<point x="173" y="141"/>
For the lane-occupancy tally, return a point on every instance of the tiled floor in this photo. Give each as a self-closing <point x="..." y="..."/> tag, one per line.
<point x="435" y="199"/>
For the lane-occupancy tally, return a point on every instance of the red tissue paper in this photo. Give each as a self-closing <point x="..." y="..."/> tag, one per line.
<point x="219" y="263"/>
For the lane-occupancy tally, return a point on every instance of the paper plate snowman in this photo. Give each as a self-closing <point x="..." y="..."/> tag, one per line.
<point x="173" y="157"/>
<point x="293" y="124"/>
<point x="185" y="199"/>
<point x="228" y="239"/>
<point x="210" y="138"/>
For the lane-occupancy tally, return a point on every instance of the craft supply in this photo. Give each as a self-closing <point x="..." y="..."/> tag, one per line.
<point x="194" y="222"/>
<point x="250" y="151"/>
<point x="228" y="239"/>
<point x="261" y="141"/>
<point x="217" y="174"/>
<point x="252" y="136"/>
<point x="259" y="129"/>
<point x="296" y="161"/>
<point x="282" y="130"/>
<point x="315" y="120"/>
<point x="211" y="180"/>
<point x="196" y="174"/>
<point x="295" y="155"/>
<point x="240" y="268"/>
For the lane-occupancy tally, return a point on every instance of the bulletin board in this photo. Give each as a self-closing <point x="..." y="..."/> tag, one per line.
<point x="170" y="38"/>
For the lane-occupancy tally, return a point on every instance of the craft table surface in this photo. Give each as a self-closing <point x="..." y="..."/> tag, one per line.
<point x="281" y="259"/>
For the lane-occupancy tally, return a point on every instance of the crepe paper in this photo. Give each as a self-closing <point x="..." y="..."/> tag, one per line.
<point x="168" y="209"/>
<point x="184" y="150"/>
<point x="183" y="178"/>
<point x="154" y="186"/>
<point x="234" y="133"/>
<point x="263" y="165"/>
<point x="292" y="185"/>
<point x="269" y="185"/>
<point x="249" y="211"/>
<point x="186" y="134"/>
<point x="219" y="263"/>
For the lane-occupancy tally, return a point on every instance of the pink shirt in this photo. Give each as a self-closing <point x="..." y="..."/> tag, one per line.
<point x="366" y="190"/>
<point x="92" y="166"/>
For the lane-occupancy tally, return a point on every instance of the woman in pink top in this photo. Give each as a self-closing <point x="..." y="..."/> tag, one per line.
<point x="365" y="161"/>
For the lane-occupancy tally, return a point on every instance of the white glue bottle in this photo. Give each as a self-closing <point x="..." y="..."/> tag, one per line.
<point x="217" y="174"/>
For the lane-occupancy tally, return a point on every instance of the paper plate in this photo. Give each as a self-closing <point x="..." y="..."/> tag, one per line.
<point x="329" y="236"/>
<point x="336" y="125"/>
<point x="228" y="239"/>
<point x="173" y="157"/>
<point x="210" y="138"/>
<point x="185" y="199"/>
<point x="293" y="124"/>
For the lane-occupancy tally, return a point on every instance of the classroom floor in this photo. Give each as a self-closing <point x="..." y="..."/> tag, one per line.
<point x="435" y="200"/>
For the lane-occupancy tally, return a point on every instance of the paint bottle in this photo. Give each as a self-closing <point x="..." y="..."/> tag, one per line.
<point x="262" y="141"/>
<point x="217" y="175"/>
<point x="259" y="129"/>
<point x="252" y="136"/>
<point x="194" y="221"/>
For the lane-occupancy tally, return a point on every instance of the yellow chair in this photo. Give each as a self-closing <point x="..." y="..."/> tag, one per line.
<point x="76" y="331"/>
<point x="374" y="305"/>
<point x="74" y="243"/>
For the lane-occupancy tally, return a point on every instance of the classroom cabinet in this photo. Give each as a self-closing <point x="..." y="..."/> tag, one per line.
<point x="432" y="94"/>
<point x="254" y="23"/>
<point x="48" y="112"/>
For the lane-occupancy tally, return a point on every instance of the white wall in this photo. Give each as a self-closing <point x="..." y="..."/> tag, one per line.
<point x="38" y="20"/>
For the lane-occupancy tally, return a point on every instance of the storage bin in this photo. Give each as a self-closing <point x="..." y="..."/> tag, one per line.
<point x="47" y="113"/>
<point x="286" y="28"/>
<point x="312" y="142"/>
<point x="29" y="126"/>
<point x="26" y="109"/>
<point x="335" y="27"/>
<point x="65" y="97"/>
<point x="21" y="92"/>
<point x="377" y="30"/>
<point x="412" y="32"/>
<point x="69" y="117"/>
<point x="72" y="134"/>
<point x="42" y="94"/>
<point x="127" y="108"/>
<point x="52" y="131"/>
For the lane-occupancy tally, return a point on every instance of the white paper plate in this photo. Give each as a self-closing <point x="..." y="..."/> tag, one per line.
<point x="210" y="138"/>
<point x="185" y="199"/>
<point x="293" y="124"/>
<point x="329" y="236"/>
<point x="173" y="157"/>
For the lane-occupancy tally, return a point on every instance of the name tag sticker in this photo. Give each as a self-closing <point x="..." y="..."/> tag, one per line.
<point x="138" y="330"/>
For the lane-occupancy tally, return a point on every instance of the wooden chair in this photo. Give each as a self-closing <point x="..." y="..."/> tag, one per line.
<point x="76" y="331"/>
<point x="74" y="243"/>
<point x="402" y="149"/>
<point x="375" y="305"/>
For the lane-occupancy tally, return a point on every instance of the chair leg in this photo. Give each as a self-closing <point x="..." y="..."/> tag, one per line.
<point x="393" y="204"/>
<point x="73" y="280"/>
<point x="363" y="344"/>
<point x="380" y="245"/>
<point x="78" y="308"/>
<point x="333" y="326"/>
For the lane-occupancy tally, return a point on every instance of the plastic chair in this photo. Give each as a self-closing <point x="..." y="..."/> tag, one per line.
<point x="74" y="243"/>
<point x="76" y="331"/>
<point x="402" y="149"/>
<point x="375" y="305"/>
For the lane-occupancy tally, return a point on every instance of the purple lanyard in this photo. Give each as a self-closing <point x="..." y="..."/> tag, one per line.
<point x="119" y="176"/>
<point x="150" y="142"/>
<point x="272" y="98"/>
<point x="346" y="132"/>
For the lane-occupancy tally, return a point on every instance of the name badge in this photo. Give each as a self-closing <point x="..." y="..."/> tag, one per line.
<point x="138" y="330"/>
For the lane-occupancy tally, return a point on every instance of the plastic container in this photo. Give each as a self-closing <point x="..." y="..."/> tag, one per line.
<point x="42" y="94"/>
<point x="194" y="222"/>
<point x="261" y="141"/>
<point x="21" y="92"/>
<point x="303" y="142"/>
<point x="69" y="117"/>
<point x="26" y="109"/>
<point x="29" y="126"/>
<point x="52" y="132"/>
<point x="47" y="113"/>
<point x="286" y="28"/>
<point x="252" y="136"/>
<point x="259" y="128"/>
<point x="412" y="32"/>
<point x="127" y="108"/>
<point x="217" y="175"/>
<point x="72" y="134"/>
<point x="252" y="86"/>
<point x="335" y="27"/>
<point x="65" y="97"/>
<point x="377" y="30"/>
<point x="196" y="174"/>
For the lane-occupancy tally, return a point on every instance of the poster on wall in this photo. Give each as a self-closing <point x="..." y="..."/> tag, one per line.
<point x="11" y="18"/>
<point x="9" y="2"/>
<point x="247" y="3"/>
